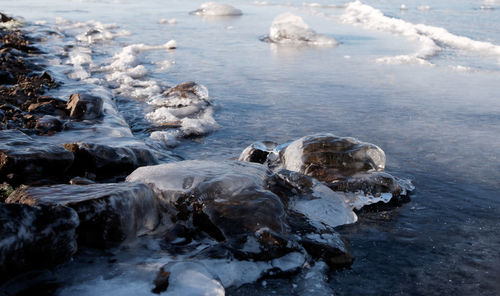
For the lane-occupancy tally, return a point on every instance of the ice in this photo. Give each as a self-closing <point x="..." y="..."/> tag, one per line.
<point x="313" y="281"/>
<point x="201" y="125"/>
<point x="189" y="278"/>
<point x="424" y="7"/>
<point x="185" y="176"/>
<point x="187" y="107"/>
<point x="167" y="21"/>
<point x="216" y="9"/>
<point x="325" y="207"/>
<point x="430" y="38"/>
<point x="288" y="28"/>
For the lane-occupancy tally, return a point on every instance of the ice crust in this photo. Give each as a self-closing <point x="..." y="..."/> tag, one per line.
<point x="288" y="28"/>
<point x="431" y="39"/>
<point x="216" y="9"/>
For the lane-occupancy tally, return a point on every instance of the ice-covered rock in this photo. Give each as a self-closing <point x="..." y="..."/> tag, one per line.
<point x="288" y="28"/>
<point x="107" y="162"/>
<point x="251" y="212"/>
<point x="258" y="151"/>
<point x="25" y="160"/>
<point x="344" y="164"/>
<point x="35" y="237"/>
<point x="216" y="9"/>
<point x="108" y="213"/>
<point x="327" y="157"/>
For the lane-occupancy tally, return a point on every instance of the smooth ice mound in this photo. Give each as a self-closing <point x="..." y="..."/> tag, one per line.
<point x="288" y="28"/>
<point x="216" y="9"/>
<point x="432" y="39"/>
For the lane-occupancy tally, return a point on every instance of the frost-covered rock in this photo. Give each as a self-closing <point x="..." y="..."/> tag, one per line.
<point x="35" y="237"/>
<point x="25" y="160"/>
<point x="108" y="213"/>
<point x="287" y="28"/>
<point x="182" y="111"/>
<point x="216" y="9"/>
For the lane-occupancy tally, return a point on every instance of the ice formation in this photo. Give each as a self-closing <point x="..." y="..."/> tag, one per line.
<point x="430" y="38"/>
<point x="216" y="9"/>
<point x="287" y="28"/>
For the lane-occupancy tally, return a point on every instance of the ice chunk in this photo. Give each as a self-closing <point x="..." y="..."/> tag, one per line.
<point x="189" y="278"/>
<point x="167" y="21"/>
<point x="291" y="29"/>
<point x="431" y="38"/>
<point x="216" y="9"/>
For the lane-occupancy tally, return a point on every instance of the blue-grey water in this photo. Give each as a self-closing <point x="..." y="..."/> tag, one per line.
<point x="438" y="123"/>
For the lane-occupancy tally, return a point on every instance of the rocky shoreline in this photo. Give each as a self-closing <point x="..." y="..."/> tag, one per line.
<point x="273" y="211"/>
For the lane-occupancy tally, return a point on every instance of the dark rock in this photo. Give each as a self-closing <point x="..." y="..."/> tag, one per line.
<point x="84" y="107"/>
<point x="328" y="247"/>
<point x="368" y="183"/>
<point x="35" y="237"/>
<point x="80" y="181"/>
<point x="7" y="78"/>
<point x="24" y="160"/>
<point x="107" y="162"/>
<point x="48" y="125"/>
<point x="4" y="18"/>
<point x="108" y="213"/>
<point x="258" y="151"/>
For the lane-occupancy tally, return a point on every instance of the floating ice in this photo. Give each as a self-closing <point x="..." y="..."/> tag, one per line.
<point x="430" y="38"/>
<point x="216" y="9"/>
<point x="291" y="29"/>
<point x="167" y="21"/>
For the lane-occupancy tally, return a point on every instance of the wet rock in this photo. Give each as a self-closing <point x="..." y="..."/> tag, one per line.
<point x="106" y="162"/>
<point x="48" y="106"/>
<point x="108" y="213"/>
<point x="35" y="237"/>
<point x="7" y="78"/>
<point x="84" y="107"/>
<point x="5" y="191"/>
<point x="24" y="160"/>
<point x="48" y="124"/>
<point x="328" y="247"/>
<point x="80" y="181"/>
<point x="258" y="152"/>
<point x="4" y="18"/>
<point x="369" y="183"/>
<point x="327" y="157"/>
